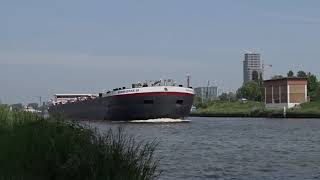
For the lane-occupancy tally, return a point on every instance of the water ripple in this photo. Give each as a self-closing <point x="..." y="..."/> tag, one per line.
<point x="232" y="148"/>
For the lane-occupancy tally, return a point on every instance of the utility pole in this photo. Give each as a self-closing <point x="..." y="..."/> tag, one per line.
<point x="40" y="100"/>
<point x="207" y="93"/>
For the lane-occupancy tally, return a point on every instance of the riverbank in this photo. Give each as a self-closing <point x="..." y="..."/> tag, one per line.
<point x="256" y="110"/>
<point x="37" y="148"/>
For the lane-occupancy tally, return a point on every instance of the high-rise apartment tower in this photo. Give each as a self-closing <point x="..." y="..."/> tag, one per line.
<point x="251" y="65"/>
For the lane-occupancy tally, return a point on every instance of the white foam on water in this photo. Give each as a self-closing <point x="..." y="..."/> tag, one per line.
<point x="160" y="120"/>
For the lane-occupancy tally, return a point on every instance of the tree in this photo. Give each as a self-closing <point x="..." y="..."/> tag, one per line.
<point x="312" y="85"/>
<point x="232" y="96"/>
<point x="17" y="107"/>
<point x="3" y="105"/>
<point x="33" y="105"/>
<point x="290" y="74"/>
<point x="251" y="91"/>
<point x="260" y="80"/>
<point x="228" y="96"/>
<point x="255" y="76"/>
<point x="197" y="101"/>
<point x="277" y="77"/>
<point x="317" y="98"/>
<point x="224" y="97"/>
<point x="261" y="76"/>
<point x="301" y="74"/>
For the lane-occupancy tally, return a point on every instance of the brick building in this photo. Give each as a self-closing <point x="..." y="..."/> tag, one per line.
<point x="285" y="92"/>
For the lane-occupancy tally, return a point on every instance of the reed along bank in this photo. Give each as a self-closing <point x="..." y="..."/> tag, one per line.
<point x="37" y="148"/>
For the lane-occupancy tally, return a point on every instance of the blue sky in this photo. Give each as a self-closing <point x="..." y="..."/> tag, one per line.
<point x="66" y="46"/>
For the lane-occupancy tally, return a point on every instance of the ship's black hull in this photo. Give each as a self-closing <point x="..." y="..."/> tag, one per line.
<point x="128" y="107"/>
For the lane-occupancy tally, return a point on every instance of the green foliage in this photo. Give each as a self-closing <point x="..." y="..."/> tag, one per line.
<point x="223" y="107"/>
<point x="199" y="104"/>
<point x="35" y="148"/>
<point x="308" y="108"/>
<point x="224" y="97"/>
<point x="312" y="85"/>
<point x="17" y="107"/>
<point x="4" y="106"/>
<point x="257" y="109"/>
<point x="311" y="105"/>
<point x="228" y="97"/>
<point x="290" y="74"/>
<point x="277" y="77"/>
<point x="33" y="105"/>
<point x="197" y="101"/>
<point x="251" y="91"/>
<point x="317" y="98"/>
<point x="260" y="82"/>
<point x="255" y="76"/>
<point x="261" y="76"/>
<point x="301" y="74"/>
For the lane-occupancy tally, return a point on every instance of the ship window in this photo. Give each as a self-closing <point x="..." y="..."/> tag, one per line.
<point x="179" y="101"/>
<point x="148" y="101"/>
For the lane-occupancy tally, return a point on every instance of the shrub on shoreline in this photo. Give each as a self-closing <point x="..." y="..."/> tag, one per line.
<point x="34" y="148"/>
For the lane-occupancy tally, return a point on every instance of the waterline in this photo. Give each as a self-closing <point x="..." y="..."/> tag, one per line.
<point x="160" y="120"/>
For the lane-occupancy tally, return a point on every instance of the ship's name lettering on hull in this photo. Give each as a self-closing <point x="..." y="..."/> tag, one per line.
<point x="128" y="91"/>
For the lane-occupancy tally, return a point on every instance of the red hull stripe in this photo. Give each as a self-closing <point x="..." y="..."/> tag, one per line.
<point x="157" y="94"/>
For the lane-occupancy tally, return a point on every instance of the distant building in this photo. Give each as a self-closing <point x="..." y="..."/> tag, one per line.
<point x="285" y="92"/>
<point x="207" y="93"/>
<point x="251" y="64"/>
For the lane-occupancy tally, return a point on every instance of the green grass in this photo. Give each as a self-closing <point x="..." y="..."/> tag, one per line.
<point x="257" y="109"/>
<point x="35" y="148"/>
<point x="221" y="107"/>
<point x="310" y="107"/>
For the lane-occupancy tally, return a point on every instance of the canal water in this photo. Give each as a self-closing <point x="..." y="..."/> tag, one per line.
<point x="232" y="148"/>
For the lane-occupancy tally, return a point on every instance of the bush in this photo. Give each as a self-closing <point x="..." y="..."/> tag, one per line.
<point x="34" y="148"/>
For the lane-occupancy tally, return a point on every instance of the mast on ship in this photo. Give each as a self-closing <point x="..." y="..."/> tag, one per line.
<point x="188" y="80"/>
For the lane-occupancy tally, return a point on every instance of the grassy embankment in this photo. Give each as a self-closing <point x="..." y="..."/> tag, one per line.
<point x="255" y="109"/>
<point x="311" y="109"/>
<point x="35" y="148"/>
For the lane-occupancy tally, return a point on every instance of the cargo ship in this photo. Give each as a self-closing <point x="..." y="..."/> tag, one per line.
<point x="142" y="101"/>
